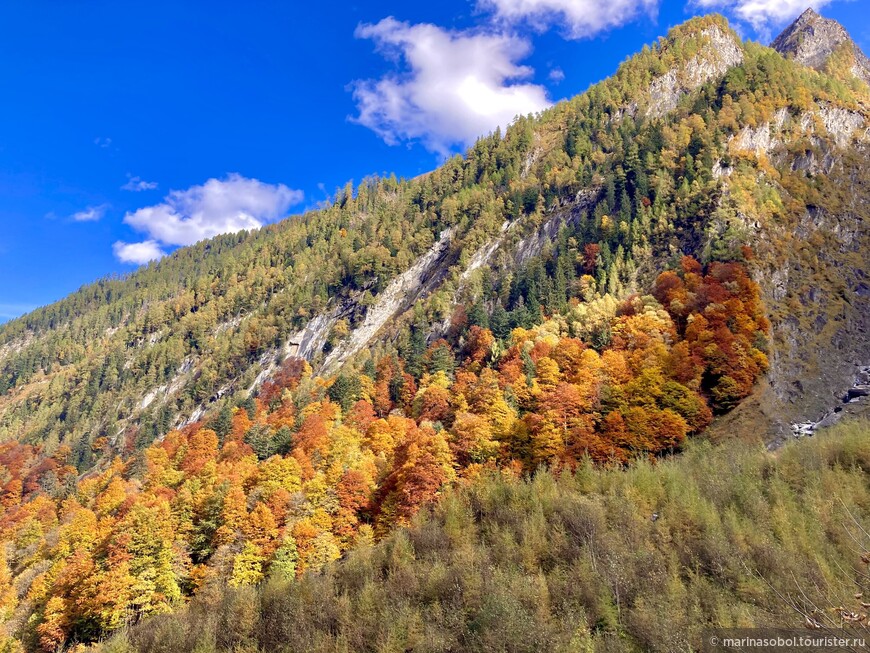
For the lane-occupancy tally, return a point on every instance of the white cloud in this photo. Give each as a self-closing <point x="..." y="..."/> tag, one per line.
<point x="90" y="214"/>
<point x="100" y="141"/>
<point x="218" y="206"/>
<point x="762" y="15"/>
<point x="137" y="184"/>
<point x="556" y="75"/>
<point x="450" y="87"/>
<point x="580" y="18"/>
<point x="138" y="253"/>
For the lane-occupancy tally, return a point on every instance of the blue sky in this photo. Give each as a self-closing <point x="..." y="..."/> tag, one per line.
<point x="129" y="129"/>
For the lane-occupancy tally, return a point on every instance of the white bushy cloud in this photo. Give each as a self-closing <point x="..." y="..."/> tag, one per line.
<point x="449" y="87"/>
<point x="218" y="206"/>
<point x="90" y="214"/>
<point x="579" y="18"/>
<point x="138" y="253"/>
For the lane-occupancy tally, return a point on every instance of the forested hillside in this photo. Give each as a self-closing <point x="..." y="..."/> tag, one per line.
<point x="685" y="242"/>
<point x="133" y="357"/>
<point x="292" y="479"/>
<point x="644" y="559"/>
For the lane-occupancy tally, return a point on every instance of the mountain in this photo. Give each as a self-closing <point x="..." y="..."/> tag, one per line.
<point x="678" y="253"/>
<point x="813" y="41"/>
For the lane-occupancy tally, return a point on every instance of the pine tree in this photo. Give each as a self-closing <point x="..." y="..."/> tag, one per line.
<point x="499" y="322"/>
<point x="223" y="422"/>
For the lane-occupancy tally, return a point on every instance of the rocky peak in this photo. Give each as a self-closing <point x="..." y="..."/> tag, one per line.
<point x="721" y="49"/>
<point x="811" y="40"/>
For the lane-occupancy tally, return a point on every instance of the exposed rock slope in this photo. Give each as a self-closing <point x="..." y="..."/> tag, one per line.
<point x="720" y="51"/>
<point x="811" y="41"/>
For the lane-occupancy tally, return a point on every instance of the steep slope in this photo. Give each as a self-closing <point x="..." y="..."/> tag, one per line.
<point x="213" y="320"/>
<point x="812" y="41"/>
<point x="813" y="264"/>
<point x="133" y="357"/>
<point x="127" y="359"/>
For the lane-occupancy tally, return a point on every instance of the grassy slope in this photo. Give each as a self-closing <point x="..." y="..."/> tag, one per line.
<point x="574" y="563"/>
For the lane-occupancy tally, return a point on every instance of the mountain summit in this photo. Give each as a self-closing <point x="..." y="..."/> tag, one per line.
<point x="812" y="40"/>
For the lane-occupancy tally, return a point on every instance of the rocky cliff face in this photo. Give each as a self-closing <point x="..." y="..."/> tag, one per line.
<point x="815" y="276"/>
<point x="721" y="51"/>
<point x="812" y="40"/>
<point x="813" y="272"/>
